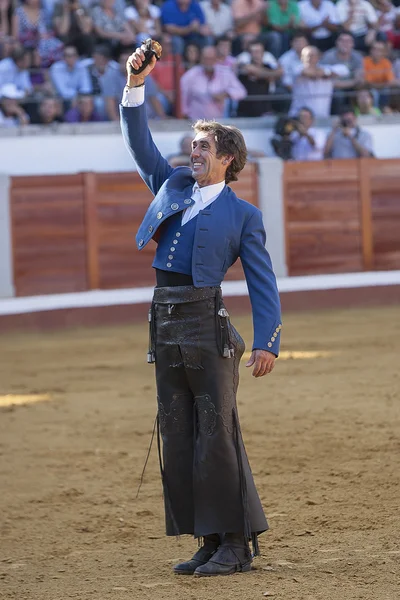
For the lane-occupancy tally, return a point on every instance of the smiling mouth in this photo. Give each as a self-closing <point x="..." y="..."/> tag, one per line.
<point x="196" y="165"/>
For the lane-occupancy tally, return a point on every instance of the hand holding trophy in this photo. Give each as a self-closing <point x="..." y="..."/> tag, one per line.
<point x="142" y="62"/>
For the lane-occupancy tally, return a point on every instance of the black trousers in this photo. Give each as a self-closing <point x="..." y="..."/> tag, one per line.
<point x="208" y="484"/>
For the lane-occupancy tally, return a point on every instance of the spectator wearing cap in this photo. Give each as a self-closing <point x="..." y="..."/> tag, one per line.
<point x="219" y="17"/>
<point x="69" y="76"/>
<point x="205" y="89"/>
<point x="290" y="61"/>
<point x="11" y="112"/>
<point x="283" y="18"/>
<point x="359" y="18"/>
<point x="111" y="27"/>
<point x="144" y="18"/>
<point x="313" y="85"/>
<point x="15" y="70"/>
<point x="114" y="85"/>
<point x="73" y="25"/>
<point x="320" y="22"/>
<point x="185" y="21"/>
<point x="83" y="112"/>
<point x="258" y="75"/>
<point x="379" y="73"/>
<point x="308" y="141"/>
<point x="344" y="54"/>
<point x="49" y="112"/>
<point x="347" y="139"/>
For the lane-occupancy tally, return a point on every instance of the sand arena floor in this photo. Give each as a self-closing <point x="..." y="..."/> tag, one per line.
<point x="323" y="438"/>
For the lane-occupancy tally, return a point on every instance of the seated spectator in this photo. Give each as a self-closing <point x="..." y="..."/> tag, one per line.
<point x="218" y="16"/>
<point x="40" y="76"/>
<point x="320" y="22"/>
<point x="11" y="112"/>
<point x="290" y="61"/>
<point x="115" y="84"/>
<point x="257" y="75"/>
<point x="185" y="21"/>
<point x="308" y="141"/>
<point x="344" y="54"/>
<point x="248" y="17"/>
<point x="283" y="17"/>
<point x="388" y="21"/>
<point x="73" y="25"/>
<point x="364" y="104"/>
<point x="379" y="73"/>
<point x="313" y="85"/>
<point x="15" y="70"/>
<point x="182" y="158"/>
<point x="224" y="52"/>
<point x="144" y="19"/>
<point x="191" y="56"/>
<point x="33" y="33"/>
<point x="164" y="71"/>
<point x="206" y="88"/>
<point x="111" y="28"/>
<point x="83" y="111"/>
<point x="8" y="20"/>
<point x="359" y="18"/>
<point x="346" y="139"/>
<point x="7" y="46"/>
<point x="69" y="77"/>
<point x="49" y="111"/>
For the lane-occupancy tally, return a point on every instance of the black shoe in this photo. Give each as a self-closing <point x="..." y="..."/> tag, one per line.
<point x="202" y="556"/>
<point x="228" y="559"/>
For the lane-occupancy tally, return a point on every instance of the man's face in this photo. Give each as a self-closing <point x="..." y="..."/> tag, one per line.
<point x="364" y="98"/>
<point x="208" y="58"/>
<point x="345" y="43"/>
<point x="306" y="118"/>
<point x="100" y="61"/>
<point x="224" y="48"/>
<point x="378" y="51"/>
<point x="24" y="62"/>
<point x="298" y="44"/>
<point x="349" y="119"/>
<point x="85" y="105"/>
<point x="310" y="56"/>
<point x="207" y="169"/>
<point x="70" y="56"/>
<point x="183" y="4"/>
<point x="49" y="109"/>
<point x="257" y="54"/>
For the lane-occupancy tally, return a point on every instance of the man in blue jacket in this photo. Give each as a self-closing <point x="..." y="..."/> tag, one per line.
<point x="201" y="228"/>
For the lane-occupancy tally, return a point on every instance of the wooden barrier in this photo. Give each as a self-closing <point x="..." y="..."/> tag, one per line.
<point x="77" y="232"/>
<point x="342" y="215"/>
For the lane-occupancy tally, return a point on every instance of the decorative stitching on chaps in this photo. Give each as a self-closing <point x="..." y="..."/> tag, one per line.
<point x="206" y="414"/>
<point x="179" y="418"/>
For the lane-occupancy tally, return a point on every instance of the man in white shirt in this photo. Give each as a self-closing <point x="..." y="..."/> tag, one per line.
<point x="320" y="22"/>
<point x="218" y="17"/>
<point x="290" y="61"/>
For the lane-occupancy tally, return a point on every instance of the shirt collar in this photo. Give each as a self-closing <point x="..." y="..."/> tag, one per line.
<point x="209" y="191"/>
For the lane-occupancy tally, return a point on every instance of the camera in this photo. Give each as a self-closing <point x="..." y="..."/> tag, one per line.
<point x="282" y="142"/>
<point x="344" y="122"/>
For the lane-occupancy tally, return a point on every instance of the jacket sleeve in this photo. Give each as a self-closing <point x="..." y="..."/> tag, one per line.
<point x="261" y="283"/>
<point x="153" y="168"/>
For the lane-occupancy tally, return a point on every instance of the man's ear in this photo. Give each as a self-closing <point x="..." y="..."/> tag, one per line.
<point x="227" y="160"/>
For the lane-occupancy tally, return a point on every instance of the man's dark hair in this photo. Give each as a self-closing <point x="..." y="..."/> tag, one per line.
<point x="222" y="38"/>
<point x="229" y="141"/>
<point x="310" y="112"/>
<point x="103" y="50"/>
<point x="298" y="35"/>
<point x="347" y="108"/>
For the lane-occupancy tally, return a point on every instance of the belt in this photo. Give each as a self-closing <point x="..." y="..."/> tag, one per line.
<point x="184" y="293"/>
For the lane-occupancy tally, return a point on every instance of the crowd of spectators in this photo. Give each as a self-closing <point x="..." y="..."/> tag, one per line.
<point x="64" y="60"/>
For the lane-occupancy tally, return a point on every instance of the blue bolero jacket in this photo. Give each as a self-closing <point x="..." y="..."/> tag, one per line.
<point x="228" y="229"/>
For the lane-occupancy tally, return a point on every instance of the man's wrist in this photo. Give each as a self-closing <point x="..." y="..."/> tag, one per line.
<point x="134" y="82"/>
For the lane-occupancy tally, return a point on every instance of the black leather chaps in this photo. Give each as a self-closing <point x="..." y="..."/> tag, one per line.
<point x="207" y="481"/>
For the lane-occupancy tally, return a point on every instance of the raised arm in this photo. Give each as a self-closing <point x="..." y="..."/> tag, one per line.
<point x="152" y="166"/>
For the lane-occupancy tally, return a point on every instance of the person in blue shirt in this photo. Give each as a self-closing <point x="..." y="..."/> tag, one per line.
<point x="185" y="21"/>
<point x="69" y="76"/>
<point x="201" y="228"/>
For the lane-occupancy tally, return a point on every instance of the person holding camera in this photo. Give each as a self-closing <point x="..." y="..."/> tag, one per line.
<point x="308" y="141"/>
<point x="347" y="139"/>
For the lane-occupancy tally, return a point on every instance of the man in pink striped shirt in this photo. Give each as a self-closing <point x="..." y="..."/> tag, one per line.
<point x="206" y="88"/>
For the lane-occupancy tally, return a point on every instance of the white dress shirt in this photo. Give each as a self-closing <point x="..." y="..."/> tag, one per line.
<point x="202" y="197"/>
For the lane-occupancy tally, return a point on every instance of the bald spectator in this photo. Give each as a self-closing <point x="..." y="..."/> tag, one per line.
<point x="313" y="85"/>
<point x="218" y="17"/>
<point x="320" y="21"/>
<point x="205" y="89"/>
